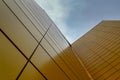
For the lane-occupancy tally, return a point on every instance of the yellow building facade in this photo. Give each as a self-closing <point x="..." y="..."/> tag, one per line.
<point x="99" y="50"/>
<point x="33" y="48"/>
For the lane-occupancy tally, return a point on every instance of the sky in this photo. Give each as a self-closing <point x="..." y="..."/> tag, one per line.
<point x="76" y="17"/>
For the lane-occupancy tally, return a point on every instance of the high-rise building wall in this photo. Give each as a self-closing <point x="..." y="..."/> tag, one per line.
<point x="32" y="47"/>
<point x="99" y="50"/>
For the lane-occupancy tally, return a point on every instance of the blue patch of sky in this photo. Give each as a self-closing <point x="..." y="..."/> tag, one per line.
<point x="82" y="15"/>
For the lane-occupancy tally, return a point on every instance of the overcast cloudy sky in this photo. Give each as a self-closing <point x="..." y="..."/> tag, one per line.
<point x="75" y="17"/>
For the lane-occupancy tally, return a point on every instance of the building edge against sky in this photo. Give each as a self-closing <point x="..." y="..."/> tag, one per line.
<point x="33" y="48"/>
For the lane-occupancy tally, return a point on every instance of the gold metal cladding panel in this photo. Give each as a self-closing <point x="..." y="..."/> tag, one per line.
<point x="31" y="16"/>
<point x="21" y="20"/>
<point x="30" y="73"/>
<point x="101" y="72"/>
<point x="49" y="48"/>
<point x="58" y="59"/>
<point x="107" y="74"/>
<point x="115" y="75"/>
<point x="35" y="10"/>
<point x="16" y="30"/>
<point x="74" y="65"/>
<point x="51" y="40"/>
<point x="99" y="50"/>
<point x="58" y="36"/>
<point x="11" y="60"/>
<point x="41" y="11"/>
<point x="68" y="59"/>
<point x="66" y="44"/>
<point x="47" y="66"/>
<point x="24" y="18"/>
<point x="30" y="7"/>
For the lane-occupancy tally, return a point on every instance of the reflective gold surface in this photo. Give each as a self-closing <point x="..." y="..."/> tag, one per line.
<point x="99" y="50"/>
<point x="11" y="60"/>
<point x="16" y="31"/>
<point x="26" y="26"/>
<point x="30" y="73"/>
<point x="48" y="54"/>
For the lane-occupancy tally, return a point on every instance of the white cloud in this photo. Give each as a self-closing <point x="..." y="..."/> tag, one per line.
<point x="60" y="12"/>
<point x="56" y="11"/>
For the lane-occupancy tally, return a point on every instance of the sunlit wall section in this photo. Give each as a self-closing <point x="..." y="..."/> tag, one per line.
<point x="32" y="47"/>
<point x="99" y="50"/>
